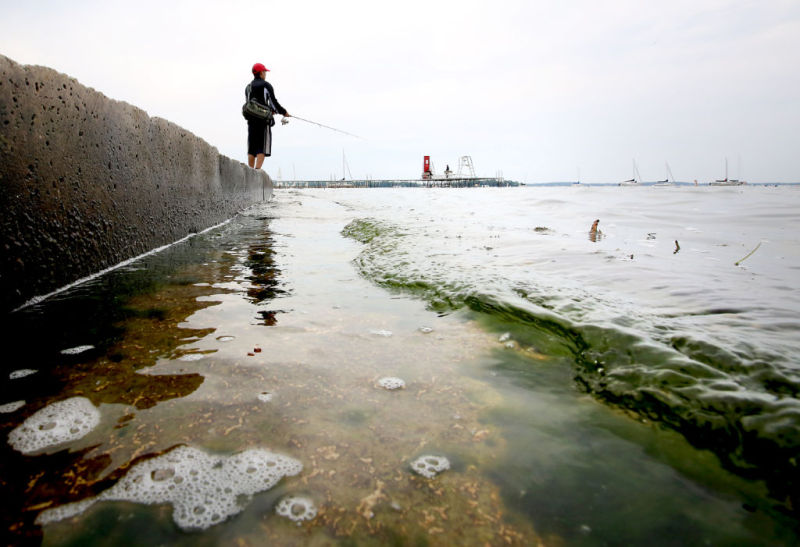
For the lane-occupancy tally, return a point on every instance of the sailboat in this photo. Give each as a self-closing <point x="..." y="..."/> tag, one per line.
<point x="726" y="181"/>
<point x="669" y="181"/>
<point x="636" y="177"/>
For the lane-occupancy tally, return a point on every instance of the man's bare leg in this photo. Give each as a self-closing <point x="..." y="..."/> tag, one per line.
<point x="251" y="160"/>
<point x="259" y="161"/>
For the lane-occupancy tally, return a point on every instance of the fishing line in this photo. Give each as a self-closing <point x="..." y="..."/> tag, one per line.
<point x="284" y="121"/>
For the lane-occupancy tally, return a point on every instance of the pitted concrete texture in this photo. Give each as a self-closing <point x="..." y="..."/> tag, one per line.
<point x="87" y="182"/>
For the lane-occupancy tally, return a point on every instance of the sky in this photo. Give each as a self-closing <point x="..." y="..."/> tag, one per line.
<point x="535" y="91"/>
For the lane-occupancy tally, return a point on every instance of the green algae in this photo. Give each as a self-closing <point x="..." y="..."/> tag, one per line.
<point x="692" y="386"/>
<point x="531" y="455"/>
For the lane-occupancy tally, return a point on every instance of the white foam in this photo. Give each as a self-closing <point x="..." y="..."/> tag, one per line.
<point x="11" y="407"/>
<point x="225" y="338"/>
<point x="191" y="357"/>
<point x="505" y="337"/>
<point x="390" y="382"/>
<point x="76" y="350"/>
<point x="429" y="466"/>
<point x="22" y="373"/>
<point x="55" y="424"/>
<point x="384" y="333"/>
<point x="426" y="330"/>
<point x="296" y="509"/>
<point x="204" y="489"/>
<point x="265" y="396"/>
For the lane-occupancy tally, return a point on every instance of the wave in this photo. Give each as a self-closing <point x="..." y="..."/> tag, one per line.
<point x="740" y="403"/>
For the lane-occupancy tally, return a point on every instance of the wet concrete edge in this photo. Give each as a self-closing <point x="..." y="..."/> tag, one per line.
<point x="87" y="182"/>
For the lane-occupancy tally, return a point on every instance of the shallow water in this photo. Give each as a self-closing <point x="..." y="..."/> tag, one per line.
<point x="564" y="377"/>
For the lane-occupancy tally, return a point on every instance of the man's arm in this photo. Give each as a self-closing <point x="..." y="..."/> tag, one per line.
<point x="275" y="104"/>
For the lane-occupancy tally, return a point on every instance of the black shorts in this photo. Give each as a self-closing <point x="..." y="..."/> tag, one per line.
<point x="259" y="138"/>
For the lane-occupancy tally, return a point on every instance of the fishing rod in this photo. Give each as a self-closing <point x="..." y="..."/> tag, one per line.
<point x="284" y="121"/>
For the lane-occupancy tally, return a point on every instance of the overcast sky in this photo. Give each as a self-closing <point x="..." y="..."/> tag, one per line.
<point x="537" y="90"/>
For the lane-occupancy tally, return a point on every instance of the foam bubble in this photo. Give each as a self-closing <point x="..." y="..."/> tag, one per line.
<point x="191" y="357"/>
<point x="265" y="396"/>
<point x="390" y="382"/>
<point x="11" y="407"/>
<point x="384" y="333"/>
<point x="425" y="330"/>
<point x="505" y="337"/>
<point x="204" y="489"/>
<point x="55" y="424"/>
<point x="296" y="509"/>
<point x="429" y="466"/>
<point x="22" y="373"/>
<point x="225" y="338"/>
<point x="76" y="350"/>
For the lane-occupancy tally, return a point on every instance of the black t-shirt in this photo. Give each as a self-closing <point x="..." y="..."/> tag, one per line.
<point x="263" y="93"/>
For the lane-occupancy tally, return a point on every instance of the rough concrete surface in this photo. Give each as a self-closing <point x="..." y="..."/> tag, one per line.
<point x="87" y="182"/>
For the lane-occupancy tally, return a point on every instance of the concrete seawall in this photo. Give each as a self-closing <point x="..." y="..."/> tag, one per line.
<point x="87" y="182"/>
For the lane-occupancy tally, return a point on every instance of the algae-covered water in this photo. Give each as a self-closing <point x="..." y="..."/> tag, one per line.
<point x="564" y="387"/>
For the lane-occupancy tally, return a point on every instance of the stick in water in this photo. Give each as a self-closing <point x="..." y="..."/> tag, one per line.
<point x="748" y="255"/>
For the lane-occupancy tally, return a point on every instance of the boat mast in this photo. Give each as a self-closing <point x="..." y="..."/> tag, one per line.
<point x="739" y="167"/>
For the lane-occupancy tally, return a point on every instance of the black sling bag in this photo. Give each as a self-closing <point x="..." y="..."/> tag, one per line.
<point x="253" y="110"/>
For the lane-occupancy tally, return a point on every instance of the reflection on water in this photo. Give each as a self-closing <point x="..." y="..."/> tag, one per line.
<point x="362" y="386"/>
<point x="264" y="277"/>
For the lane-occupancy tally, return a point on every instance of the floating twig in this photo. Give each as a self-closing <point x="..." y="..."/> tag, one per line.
<point x="748" y="255"/>
<point x="677" y="248"/>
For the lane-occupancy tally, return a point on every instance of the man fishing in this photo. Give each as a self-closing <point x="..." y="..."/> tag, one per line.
<point x="259" y="132"/>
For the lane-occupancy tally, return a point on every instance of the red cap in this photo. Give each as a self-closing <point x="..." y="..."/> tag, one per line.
<point x="258" y="67"/>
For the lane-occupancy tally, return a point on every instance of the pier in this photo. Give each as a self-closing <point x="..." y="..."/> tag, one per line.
<point x="464" y="177"/>
<point x="463" y="182"/>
